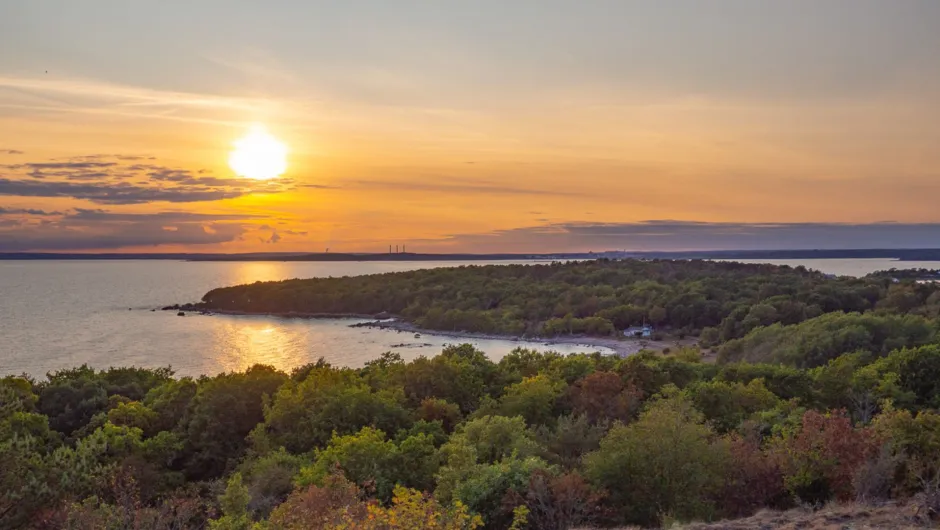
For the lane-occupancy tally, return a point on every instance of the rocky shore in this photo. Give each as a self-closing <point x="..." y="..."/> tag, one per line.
<point x="622" y="347"/>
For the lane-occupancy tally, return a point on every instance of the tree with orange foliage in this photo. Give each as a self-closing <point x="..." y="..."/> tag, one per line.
<point x="336" y="506"/>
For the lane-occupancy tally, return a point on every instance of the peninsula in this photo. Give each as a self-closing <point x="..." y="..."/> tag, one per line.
<point x="721" y="303"/>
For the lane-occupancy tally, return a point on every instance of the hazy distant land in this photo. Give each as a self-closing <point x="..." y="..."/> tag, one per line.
<point x="912" y="254"/>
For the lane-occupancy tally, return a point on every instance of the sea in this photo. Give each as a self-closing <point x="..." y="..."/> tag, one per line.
<point x="61" y="314"/>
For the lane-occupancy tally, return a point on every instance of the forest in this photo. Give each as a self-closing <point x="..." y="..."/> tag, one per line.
<point x="458" y="441"/>
<point x="716" y="301"/>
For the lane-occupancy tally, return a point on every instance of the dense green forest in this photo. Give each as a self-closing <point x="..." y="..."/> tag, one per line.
<point x="718" y="301"/>
<point x="458" y="441"/>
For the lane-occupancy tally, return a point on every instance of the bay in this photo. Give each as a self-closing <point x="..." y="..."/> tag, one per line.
<point x="62" y="314"/>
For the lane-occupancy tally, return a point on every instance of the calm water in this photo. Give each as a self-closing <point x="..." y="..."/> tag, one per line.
<point x="850" y="267"/>
<point x="59" y="314"/>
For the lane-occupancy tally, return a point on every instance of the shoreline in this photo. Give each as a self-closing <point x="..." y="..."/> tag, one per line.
<point x="621" y="347"/>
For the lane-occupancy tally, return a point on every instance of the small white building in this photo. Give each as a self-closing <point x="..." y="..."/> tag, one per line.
<point x="644" y="331"/>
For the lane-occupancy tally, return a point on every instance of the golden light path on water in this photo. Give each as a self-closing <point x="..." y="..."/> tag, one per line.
<point x="62" y="314"/>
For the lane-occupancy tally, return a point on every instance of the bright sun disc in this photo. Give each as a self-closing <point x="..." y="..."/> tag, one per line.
<point x="258" y="155"/>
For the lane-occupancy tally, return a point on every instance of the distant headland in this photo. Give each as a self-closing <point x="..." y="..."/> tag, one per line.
<point x="909" y="254"/>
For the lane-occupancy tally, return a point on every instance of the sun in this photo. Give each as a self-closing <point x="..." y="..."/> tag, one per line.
<point x="258" y="155"/>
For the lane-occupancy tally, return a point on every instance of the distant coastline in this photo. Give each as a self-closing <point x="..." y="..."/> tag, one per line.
<point x="913" y="254"/>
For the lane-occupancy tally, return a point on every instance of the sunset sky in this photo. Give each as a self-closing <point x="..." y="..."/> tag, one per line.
<point x="485" y="125"/>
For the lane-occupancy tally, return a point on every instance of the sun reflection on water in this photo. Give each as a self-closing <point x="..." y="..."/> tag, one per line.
<point x="259" y="271"/>
<point x="257" y="342"/>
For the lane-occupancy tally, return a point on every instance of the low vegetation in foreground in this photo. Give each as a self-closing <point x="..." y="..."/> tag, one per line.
<point x="456" y="441"/>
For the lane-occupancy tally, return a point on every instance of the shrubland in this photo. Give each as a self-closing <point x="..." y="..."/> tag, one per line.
<point x="536" y="440"/>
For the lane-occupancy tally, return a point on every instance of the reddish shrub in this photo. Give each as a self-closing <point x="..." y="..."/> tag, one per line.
<point x="557" y="503"/>
<point x="320" y="507"/>
<point x="433" y="409"/>
<point x="820" y="461"/>
<point x="603" y="395"/>
<point x="754" y="480"/>
<point x="183" y="510"/>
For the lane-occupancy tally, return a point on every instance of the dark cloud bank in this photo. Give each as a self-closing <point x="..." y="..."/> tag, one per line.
<point x="117" y="180"/>
<point x="99" y="229"/>
<point x="689" y="235"/>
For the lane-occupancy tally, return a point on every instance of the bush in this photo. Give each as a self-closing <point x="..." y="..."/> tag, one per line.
<point x="752" y="481"/>
<point x="822" y="458"/>
<point x="603" y="396"/>
<point x="558" y="502"/>
<point x="667" y="462"/>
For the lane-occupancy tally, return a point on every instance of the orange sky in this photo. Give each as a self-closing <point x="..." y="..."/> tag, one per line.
<point x="443" y="133"/>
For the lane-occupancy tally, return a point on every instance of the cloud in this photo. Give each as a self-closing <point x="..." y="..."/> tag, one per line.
<point x="88" y="229"/>
<point x="295" y="232"/>
<point x="163" y="217"/>
<point x="671" y="235"/>
<point x="26" y="211"/>
<point x="104" y="194"/>
<point x="275" y="237"/>
<point x="65" y="165"/>
<point x="11" y="152"/>
<point x="115" y="179"/>
<point x="438" y="184"/>
<point x="116" y="236"/>
<point x="90" y="97"/>
<point x="318" y="186"/>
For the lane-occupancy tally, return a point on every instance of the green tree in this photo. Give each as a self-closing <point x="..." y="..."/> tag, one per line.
<point x="366" y="458"/>
<point x="305" y="415"/>
<point x="668" y="462"/>
<point x="224" y="410"/>
<point x="170" y="401"/>
<point x="270" y="479"/>
<point x="726" y="405"/>
<point x="914" y="375"/>
<point x="534" y="398"/>
<point x="570" y="438"/>
<point x="234" y="504"/>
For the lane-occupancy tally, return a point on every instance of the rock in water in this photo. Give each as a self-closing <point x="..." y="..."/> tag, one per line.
<point x="181" y="314"/>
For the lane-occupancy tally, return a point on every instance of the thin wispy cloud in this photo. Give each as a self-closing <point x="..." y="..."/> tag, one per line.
<point x="441" y="184"/>
<point x="88" y="215"/>
<point x="128" y="95"/>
